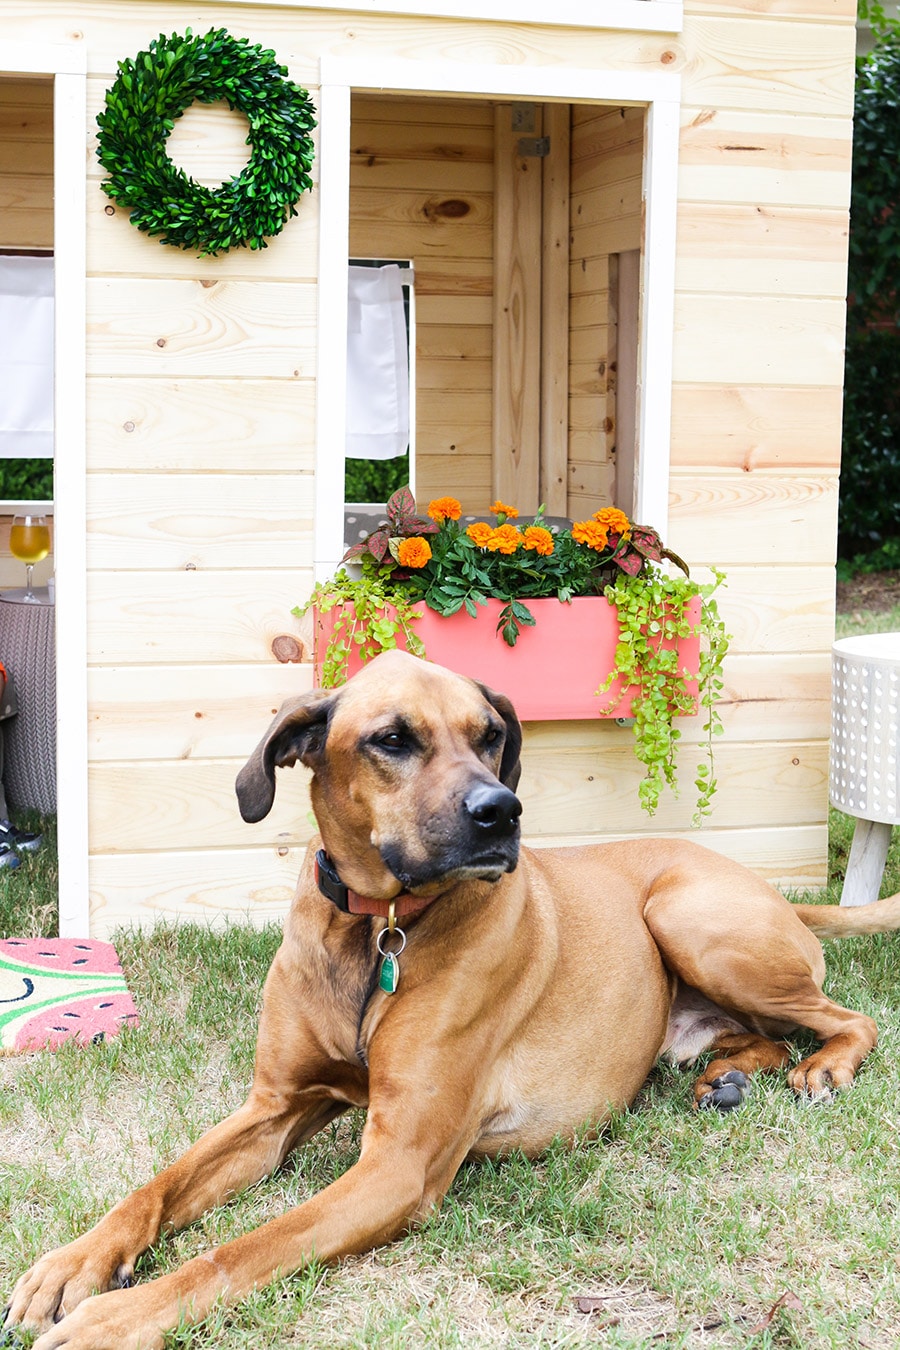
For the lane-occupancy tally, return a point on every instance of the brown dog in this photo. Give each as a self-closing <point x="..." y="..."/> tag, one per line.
<point x="534" y="995"/>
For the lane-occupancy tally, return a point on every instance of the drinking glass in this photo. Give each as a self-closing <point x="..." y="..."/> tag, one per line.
<point x="29" y="541"/>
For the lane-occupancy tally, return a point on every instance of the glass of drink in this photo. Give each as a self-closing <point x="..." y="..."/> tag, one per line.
<point x="29" y="541"/>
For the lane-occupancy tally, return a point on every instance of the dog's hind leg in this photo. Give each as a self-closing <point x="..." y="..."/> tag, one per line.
<point x="748" y="953"/>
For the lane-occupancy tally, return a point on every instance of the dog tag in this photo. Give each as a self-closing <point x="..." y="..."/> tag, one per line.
<point x="389" y="977"/>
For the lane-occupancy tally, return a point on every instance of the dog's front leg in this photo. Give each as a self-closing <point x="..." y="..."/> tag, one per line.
<point x="231" y="1156"/>
<point x="395" y="1181"/>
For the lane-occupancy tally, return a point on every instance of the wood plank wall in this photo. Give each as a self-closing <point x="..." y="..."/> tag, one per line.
<point x="201" y="404"/>
<point x="26" y="163"/>
<point x="421" y="187"/>
<point x="606" y="218"/>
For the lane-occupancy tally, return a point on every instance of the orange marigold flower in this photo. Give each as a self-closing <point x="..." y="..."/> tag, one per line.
<point x="413" y="552"/>
<point x="480" y="533"/>
<point x="615" y="520"/>
<point x="501" y="509"/>
<point x="505" y="539"/>
<point x="444" y="508"/>
<point x="539" y="540"/>
<point x="590" y="532"/>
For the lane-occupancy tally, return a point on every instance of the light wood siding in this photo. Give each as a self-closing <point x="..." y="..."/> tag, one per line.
<point x="201" y="414"/>
<point x="605" y="206"/>
<point x="26" y="163"/>
<point x="421" y="187"/>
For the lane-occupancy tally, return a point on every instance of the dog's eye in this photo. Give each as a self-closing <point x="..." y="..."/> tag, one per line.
<point x="392" y="740"/>
<point x="492" y="736"/>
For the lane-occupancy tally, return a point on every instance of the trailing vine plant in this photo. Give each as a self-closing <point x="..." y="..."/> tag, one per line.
<point x="652" y="614"/>
<point x="370" y="615"/>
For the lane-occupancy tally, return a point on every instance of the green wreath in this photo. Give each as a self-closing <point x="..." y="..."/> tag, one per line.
<point x="141" y="107"/>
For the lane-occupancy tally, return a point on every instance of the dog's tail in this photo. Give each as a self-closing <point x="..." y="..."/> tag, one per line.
<point x="834" y="921"/>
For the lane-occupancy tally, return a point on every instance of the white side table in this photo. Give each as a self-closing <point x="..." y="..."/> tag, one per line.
<point x="28" y="650"/>
<point x="864" y="776"/>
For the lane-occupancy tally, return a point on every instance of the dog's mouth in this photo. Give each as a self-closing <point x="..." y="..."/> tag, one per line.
<point x="426" y="876"/>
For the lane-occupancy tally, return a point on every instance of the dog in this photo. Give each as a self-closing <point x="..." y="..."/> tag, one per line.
<point x="472" y="995"/>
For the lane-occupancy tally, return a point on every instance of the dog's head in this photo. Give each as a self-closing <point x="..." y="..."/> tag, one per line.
<point x="414" y="776"/>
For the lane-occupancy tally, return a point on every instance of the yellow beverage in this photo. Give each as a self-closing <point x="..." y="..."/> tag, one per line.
<point x="29" y="543"/>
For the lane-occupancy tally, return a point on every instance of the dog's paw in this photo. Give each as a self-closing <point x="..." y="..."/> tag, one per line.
<point x="725" y="1092"/>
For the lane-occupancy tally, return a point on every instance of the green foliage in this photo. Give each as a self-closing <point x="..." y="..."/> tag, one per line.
<point x="26" y="480"/>
<point x="154" y="89"/>
<point x="652" y="612"/>
<point x="884" y="558"/>
<point x="370" y="613"/>
<point x="374" y="480"/>
<point x="870" y="465"/>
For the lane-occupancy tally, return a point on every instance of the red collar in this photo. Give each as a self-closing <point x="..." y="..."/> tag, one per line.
<point x="349" y="902"/>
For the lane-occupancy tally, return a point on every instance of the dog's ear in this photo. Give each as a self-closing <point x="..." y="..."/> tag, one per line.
<point x="297" y="732"/>
<point x="510" y="766"/>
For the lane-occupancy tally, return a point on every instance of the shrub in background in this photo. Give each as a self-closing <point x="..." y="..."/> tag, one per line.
<point x="26" y="480"/>
<point x="869" y="519"/>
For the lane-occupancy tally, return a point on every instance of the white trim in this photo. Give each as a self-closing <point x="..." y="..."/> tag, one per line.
<point x="571" y="84"/>
<point x="660" y="91"/>
<point x="43" y="58"/>
<point x="657" y="317"/>
<point x="331" y="366"/>
<point x="68" y="66"/>
<point x="70" y="493"/>
<point x="648" y="16"/>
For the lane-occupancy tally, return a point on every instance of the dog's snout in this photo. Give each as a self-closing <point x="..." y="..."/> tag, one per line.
<point x="493" y="808"/>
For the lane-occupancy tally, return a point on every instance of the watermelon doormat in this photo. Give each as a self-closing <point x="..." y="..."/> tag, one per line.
<point x="60" y="989"/>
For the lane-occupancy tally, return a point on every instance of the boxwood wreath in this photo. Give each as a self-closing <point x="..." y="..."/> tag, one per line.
<point x="154" y="89"/>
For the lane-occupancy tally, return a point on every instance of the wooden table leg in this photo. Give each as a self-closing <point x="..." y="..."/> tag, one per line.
<point x="865" y="868"/>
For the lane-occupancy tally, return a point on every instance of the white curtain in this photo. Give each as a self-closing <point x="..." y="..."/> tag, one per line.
<point x="26" y="357"/>
<point x="377" y="365"/>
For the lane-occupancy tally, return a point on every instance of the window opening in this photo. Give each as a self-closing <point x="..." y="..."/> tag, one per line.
<point x="370" y="480"/>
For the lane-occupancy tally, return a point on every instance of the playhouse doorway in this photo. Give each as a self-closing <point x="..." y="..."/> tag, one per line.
<point x="537" y="211"/>
<point x="522" y="222"/>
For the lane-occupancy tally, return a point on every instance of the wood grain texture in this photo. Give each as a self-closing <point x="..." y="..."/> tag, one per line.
<point x="794" y="518"/>
<point x="516" y="316"/>
<point x="742" y="339"/>
<point x="26" y="163"/>
<point x="237" y="885"/>
<point x="206" y="521"/>
<point x="190" y="616"/>
<point x="753" y="427"/>
<point x="191" y="804"/>
<point x="203" y="425"/>
<point x="188" y="712"/>
<point x="219" y="328"/>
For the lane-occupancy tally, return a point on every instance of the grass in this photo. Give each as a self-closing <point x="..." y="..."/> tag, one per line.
<point x="777" y="1226"/>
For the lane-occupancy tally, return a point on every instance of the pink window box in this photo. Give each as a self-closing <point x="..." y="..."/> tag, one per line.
<point x="555" y="667"/>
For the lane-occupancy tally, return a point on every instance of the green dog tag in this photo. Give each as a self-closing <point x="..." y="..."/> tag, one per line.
<point x="389" y="977"/>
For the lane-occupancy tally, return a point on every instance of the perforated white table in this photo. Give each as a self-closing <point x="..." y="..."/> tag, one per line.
<point x="864" y="773"/>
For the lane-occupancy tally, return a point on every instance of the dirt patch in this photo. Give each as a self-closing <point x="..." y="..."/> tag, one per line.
<point x="877" y="591"/>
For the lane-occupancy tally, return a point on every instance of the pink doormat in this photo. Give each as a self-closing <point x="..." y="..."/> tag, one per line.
<point x="60" y="989"/>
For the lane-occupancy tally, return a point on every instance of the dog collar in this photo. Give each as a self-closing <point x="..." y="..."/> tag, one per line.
<point x="349" y="902"/>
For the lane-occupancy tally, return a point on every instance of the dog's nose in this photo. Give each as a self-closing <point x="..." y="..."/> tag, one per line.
<point x="493" y="808"/>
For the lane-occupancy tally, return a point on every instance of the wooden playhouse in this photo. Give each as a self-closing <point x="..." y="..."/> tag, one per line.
<point x="627" y="226"/>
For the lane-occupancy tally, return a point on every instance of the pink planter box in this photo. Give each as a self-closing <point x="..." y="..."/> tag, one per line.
<point x="555" y="667"/>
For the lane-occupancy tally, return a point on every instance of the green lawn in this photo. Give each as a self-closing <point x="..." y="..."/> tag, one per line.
<point x="778" y="1225"/>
